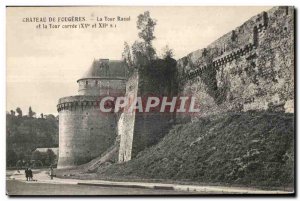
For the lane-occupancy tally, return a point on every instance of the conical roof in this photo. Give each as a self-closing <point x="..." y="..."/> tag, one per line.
<point x="106" y="68"/>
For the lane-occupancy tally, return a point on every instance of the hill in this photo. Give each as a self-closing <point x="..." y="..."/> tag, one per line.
<point x="24" y="134"/>
<point x="253" y="148"/>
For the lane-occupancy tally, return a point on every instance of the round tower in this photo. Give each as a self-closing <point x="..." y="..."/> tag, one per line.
<point x="105" y="77"/>
<point x="84" y="131"/>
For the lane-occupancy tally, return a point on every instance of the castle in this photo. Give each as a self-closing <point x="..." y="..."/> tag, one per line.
<point x="249" y="68"/>
<point x="84" y="131"/>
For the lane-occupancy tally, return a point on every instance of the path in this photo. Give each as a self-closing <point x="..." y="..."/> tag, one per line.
<point x="43" y="177"/>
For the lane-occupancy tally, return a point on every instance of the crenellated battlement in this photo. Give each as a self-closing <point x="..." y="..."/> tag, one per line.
<point x="77" y="102"/>
<point x="221" y="60"/>
<point x="232" y="72"/>
<point x="233" y="45"/>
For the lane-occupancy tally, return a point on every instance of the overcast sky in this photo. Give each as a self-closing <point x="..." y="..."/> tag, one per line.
<point x="44" y="64"/>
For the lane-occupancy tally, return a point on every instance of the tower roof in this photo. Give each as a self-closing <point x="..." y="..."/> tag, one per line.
<point x="106" y="68"/>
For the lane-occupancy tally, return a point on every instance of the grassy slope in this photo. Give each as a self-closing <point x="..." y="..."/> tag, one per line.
<point x="240" y="149"/>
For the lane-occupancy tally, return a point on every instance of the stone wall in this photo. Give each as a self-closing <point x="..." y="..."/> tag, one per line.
<point x="149" y="129"/>
<point x="127" y="121"/>
<point x="140" y="130"/>
<point x="102" y="86"/>
<point x="84" y="131"/>
<point x="249" y="68"/>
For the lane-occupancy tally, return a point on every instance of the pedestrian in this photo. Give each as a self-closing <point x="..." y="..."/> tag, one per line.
<point x="30" y="174"/>
<point x="26" y="174"/>
<point x="51" y="173"/>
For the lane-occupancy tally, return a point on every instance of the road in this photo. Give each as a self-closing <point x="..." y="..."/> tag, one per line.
<point x="15" y="187"/>
<point x="43" y="185"/>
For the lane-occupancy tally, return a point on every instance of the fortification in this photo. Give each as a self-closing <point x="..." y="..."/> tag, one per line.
<point x="249" y="68"/>
<point x="84" y="131"/>
<point x="139" y="130"/>
<point x="126" y="123"/>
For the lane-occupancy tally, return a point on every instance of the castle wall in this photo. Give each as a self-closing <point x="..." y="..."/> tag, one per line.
<point x="140" y="130"/>
<point x="149" y="129"/>
<point x="102" y="86"/>
<point x="126" y="123"/>
<point x="84" y="132"/>
<point x="249" y="68"/>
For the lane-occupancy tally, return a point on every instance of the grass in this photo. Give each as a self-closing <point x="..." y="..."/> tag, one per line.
<point x="244" y="149"/>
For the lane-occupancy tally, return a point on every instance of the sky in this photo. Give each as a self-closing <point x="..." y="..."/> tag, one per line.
<point x="43" y="65"/>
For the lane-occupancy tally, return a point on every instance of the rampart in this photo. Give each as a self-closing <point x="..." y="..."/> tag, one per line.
<point x="140" y="130"/>
<point x="249" y="68"/>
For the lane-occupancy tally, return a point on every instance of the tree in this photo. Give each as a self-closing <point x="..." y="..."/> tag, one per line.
<point x="167" y="53"/>
<point x="12" y="113"/>
<point x="30" y="112"/>
<point x="26" y="134"/>
<point x="21" y="156"/>
<point x="50" y="117"/>
<point x="126" y="55"/>
<point x="139" y="54"/>
<point x="11" y="157"/>
<point x="19" y="164"/>
<point x="160" y="72"/>
<point x="146" y="25"/>
<point x="19" y="111"/>
<point x="50" y="157"/>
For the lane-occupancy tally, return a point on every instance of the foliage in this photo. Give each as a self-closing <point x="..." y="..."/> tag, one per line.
<point x="12" y="113"/>
<point x="19" y="111"/>
<point x="50" y="157"/>
<point x="159" y="74"/>
<point x="167" y="52"/>
<point x="146" y="25"/>
<point x="143" y="52"/>
<point x="24" y="134"/>
<point x="46" y="158"/>
<point x="30" y="112"/>
<point x="12" y="157"/>
<point x="126" y="55"/>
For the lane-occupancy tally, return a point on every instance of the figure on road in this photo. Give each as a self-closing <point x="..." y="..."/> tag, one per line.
<point x="51" y="173"/>
<point x="30" y="175"/>
<point x="26" y="174"/>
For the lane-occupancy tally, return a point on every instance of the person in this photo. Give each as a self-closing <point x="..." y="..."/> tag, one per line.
<point x="30" y="174"/>
<point x="51" y="173"/>
<point x="26" y="174"/>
